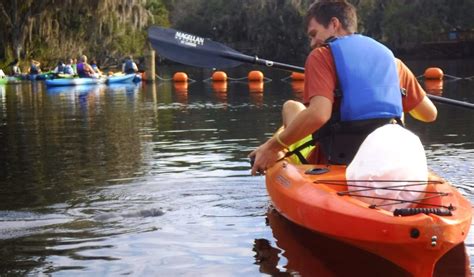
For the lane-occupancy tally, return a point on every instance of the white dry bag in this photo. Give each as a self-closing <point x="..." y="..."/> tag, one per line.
<point x="391" y="153"/>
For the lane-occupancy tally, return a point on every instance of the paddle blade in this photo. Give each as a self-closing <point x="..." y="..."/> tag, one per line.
<point x="190" y="49"/>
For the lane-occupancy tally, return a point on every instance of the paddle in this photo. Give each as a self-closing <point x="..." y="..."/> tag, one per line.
<point x="203" y="52"/>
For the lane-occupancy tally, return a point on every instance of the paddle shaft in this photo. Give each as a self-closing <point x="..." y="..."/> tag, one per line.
<point x="256" y="60"/>
<point x="449" y="101"/>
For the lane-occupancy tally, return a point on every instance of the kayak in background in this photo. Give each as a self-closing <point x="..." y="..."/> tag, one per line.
<point x="74" y="81"/>
<point x="39" y="77"/>
<point x="11" y="80"/>
<point x="82" y="89"/>
<point x="317" y="197"/>
<point x="120" y="78"/>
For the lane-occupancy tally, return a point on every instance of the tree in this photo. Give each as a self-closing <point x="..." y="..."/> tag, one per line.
<point x="51" y="29"/>
<point x="272" y="29"/>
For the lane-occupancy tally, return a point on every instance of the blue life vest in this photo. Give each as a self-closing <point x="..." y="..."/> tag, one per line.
<point x="368" y="79"/>
<point x="129" y="68"/>
<point x="370" y="96"/>
<point x="68" y="69"/>
<point x="34" y="69"/>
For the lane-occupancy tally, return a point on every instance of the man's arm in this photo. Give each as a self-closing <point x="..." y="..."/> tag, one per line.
<point x="425" y="111"/>
<point x="308" y="121"/>
<point x="305" y="123"/>
<point x="416" y="102"/>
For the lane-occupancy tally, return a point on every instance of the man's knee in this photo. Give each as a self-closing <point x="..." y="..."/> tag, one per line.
<point x="292" y="105"/>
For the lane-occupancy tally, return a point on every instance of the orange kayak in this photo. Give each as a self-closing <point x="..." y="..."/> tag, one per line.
<point x="317" y="198"/>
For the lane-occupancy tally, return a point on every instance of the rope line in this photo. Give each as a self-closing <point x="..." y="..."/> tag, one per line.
<point x="163" y="79"/>
<point x="362" y="188"/>
<point x="171" y="79"/>
<point x="238" y="80"/>
<point x="453" y="77"/>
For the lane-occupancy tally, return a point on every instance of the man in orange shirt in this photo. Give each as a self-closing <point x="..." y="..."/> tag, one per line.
<point x="364" y="70"/>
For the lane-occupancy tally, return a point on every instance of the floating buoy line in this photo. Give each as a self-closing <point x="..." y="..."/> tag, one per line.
<point x="433" y="80"/>
<point x="436" y="73"/>
<point x="253" y="76"/>
<point x="177" y="77"/>
<point x="294" y="76"/>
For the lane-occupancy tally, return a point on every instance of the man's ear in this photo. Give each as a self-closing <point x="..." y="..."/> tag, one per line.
<point x="335" y="23"/>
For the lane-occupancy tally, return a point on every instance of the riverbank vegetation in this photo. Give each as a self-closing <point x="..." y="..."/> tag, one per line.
<point x="49" y="30"/>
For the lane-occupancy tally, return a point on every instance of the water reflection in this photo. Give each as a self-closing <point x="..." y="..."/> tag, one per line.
<point x="305" y="253"/>
<point x="434" y="87"/>
<point x="62" y="140"/>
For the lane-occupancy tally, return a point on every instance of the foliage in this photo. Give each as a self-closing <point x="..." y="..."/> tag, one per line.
<point x="406" y="23"/>
<point x="266" y="28"/>
<point x="274" y="28"/>
<point x="109" y="29"/>
<point x="53" y="29"/>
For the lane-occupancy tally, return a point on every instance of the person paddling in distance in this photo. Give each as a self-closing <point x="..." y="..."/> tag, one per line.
<point x="59" y="69"/>
<point x="68" y="68"/>
<point x="95" y="67"/>
<point x="84" y="70"/>
<point x="129" y="66"/>
<point x="15" y="68"/>
<point x="34" y="67"/>
<point x="353" y="85"/>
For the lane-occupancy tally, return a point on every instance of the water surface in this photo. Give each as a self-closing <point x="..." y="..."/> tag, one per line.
<point x="153" y="179"/>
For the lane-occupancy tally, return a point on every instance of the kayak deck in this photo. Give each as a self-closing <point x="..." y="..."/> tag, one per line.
<point x="414" y="242"/>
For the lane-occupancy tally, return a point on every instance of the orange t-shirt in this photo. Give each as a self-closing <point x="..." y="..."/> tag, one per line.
<point x="320" y="79"/>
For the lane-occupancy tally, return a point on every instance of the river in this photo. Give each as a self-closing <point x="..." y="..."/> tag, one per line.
<point x="153" y="180"/>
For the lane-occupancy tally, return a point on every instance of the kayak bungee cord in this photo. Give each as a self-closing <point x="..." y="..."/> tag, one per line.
<point x="395" y="188"/>
<point x="407" y="211"/>
<point x="397" y="201"/>
<point x="368" y="188"/>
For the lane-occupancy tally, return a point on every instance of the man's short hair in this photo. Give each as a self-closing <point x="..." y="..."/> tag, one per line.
<point x="323" y="10"/>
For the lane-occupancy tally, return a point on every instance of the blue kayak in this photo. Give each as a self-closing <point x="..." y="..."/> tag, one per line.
<point x="74" y="82"/>
<point x="82" y="89"/>
<point x="121" y="79"/>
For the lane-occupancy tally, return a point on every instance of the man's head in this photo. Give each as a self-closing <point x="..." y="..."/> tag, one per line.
<point x="326" y="18"/>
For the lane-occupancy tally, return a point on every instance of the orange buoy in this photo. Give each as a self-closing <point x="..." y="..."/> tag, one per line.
<point x="181" y="87"/>
<point x="434" y="73"/>
<point x="219" y="86"/>
<point x="434" y="86"/>
<point x="297" y="86"/>
<point x="297" y="76"/>
<point x="180" y="77"/>
<point x="220" y="76"/>
<point x="255" y="75"/>
<point x="256" y="86"/>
